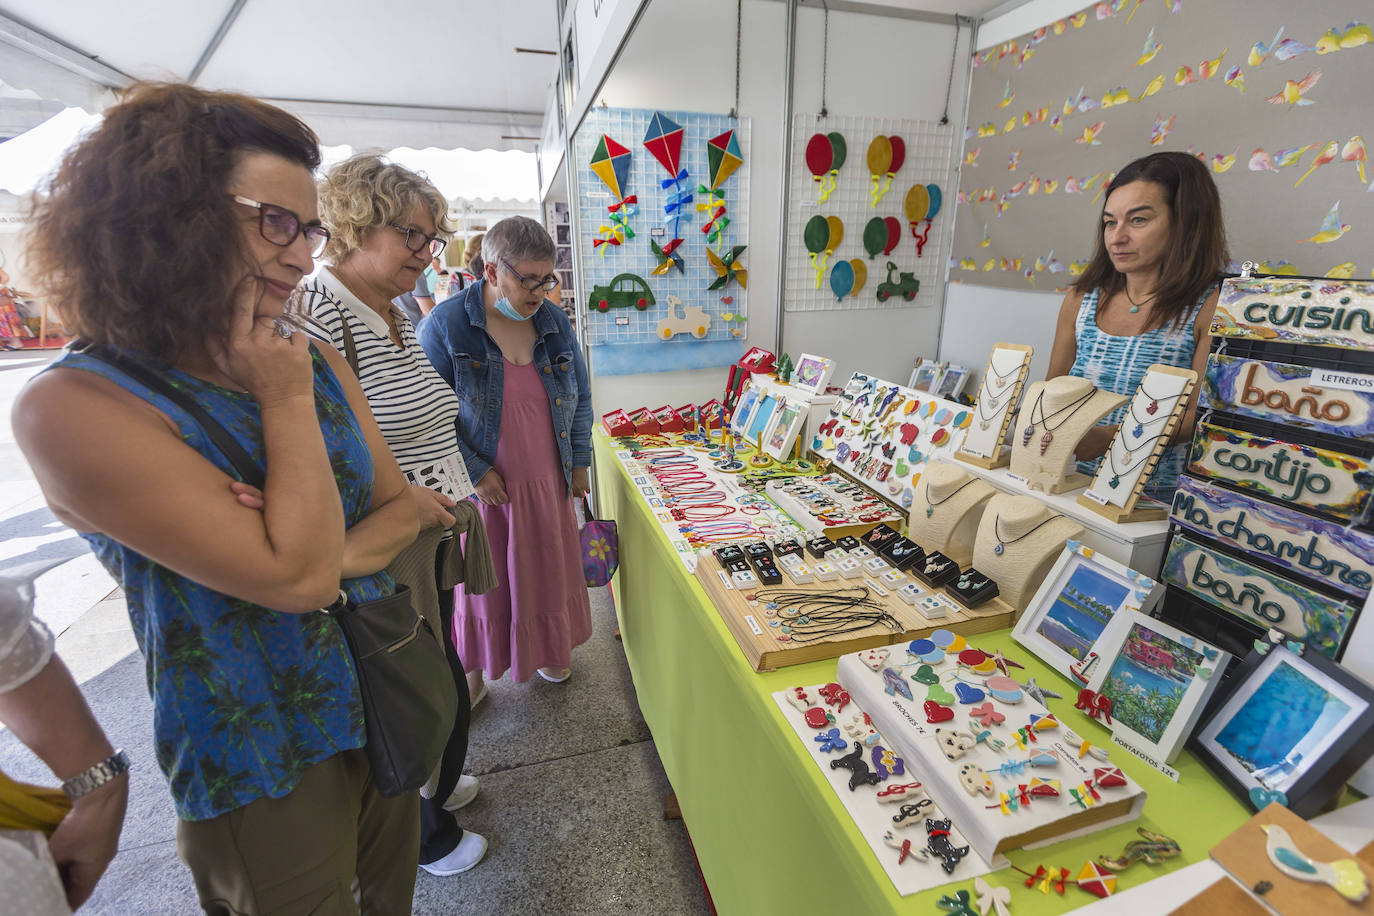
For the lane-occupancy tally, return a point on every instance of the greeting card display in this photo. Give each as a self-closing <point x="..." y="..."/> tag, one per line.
<point x="1152" y="416"/>
<point x="1288" y="727"/>
<point x="1075" y="606"/>
<point x="993" y="409"/>
<point x="1158" y="679"/>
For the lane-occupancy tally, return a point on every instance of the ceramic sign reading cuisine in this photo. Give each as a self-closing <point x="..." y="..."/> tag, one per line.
<point x="1258" y="595"/>
<point x="1317" y="548"/>
<point x="1324" y="313"/>
<point x="1321" y="479"/>
<point x="1285" y="393"/>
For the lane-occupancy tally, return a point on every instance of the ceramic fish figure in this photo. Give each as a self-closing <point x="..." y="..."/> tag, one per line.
<point x="1290" y="48"/>
<point x="1343" y="875"/>
<point x="1153" y="849"/>
<point x="1161" y="129"/>
<point x="1148" y="52"/>
<point x="1208" y="68"/>
<point x="1235" y="78"/>
<point x="1294" y="91"/>
<point x="1354" y="151"/>
<point x="1327" y="154"/>
<point x="1261" y="51"/>
<point x="1090" y="133"/>
<point x="1332" y="227"/>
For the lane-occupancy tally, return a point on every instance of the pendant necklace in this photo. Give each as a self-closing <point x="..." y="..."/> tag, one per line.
<point x="993" y="398"/>
<point x="931" y="504"/>
<point x="1046" y="439"/>
<point x="1135" y="306"/>
<point x="1002" y="542"/>
<point x="1150" y="411"/>
<point x="1129" y="453"/>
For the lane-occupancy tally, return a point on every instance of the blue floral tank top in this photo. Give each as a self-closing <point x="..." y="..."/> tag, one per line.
<point x="245" y="698"/>
<point x="1117" y="364"/>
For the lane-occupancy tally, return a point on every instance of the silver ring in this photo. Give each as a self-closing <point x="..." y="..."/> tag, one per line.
<point x="284" y="330"/>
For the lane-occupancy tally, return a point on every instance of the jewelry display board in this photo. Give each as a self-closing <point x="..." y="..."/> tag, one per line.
<point x="1003" y="380"/>
<point x="945" y="513"/>
<point x="1021" y="559"/>
<point x="1042" y="449"/>
<point x="831" y="504"/>
<point x="1154" y="413"/>
<point x="882" y="434"/>
<point x="758" y="628"/>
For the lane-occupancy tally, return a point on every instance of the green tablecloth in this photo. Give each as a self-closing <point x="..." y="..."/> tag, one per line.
<point x="770" y="835"/>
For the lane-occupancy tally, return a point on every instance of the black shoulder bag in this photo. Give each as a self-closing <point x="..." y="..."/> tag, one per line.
<point x="409" y="698"/>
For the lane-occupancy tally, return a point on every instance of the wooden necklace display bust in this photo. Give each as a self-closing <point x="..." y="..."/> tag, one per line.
<point x="1055" y="416"/>
<point x="1018" y="541"/>
<point x="945" y="510"/>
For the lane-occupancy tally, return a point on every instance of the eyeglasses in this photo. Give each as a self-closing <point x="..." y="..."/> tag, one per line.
<point x="280" y="226"/>
<point x="416" y="240"/>
<point x="529" y="285"/>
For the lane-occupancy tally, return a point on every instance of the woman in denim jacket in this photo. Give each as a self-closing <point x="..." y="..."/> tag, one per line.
<point x="524" y="431"/>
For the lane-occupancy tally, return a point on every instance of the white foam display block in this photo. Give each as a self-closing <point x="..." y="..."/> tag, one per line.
<point x="987" y="830"/>
<point x="874" y="819"/>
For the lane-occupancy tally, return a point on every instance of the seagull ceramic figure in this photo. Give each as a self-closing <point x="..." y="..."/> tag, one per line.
<point x="1344" y="875"/>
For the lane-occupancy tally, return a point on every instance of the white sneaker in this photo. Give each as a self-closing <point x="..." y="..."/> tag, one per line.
<point x="555" y="675"/>
<point x="464" y="857"/>
<point x="463" y="793"/>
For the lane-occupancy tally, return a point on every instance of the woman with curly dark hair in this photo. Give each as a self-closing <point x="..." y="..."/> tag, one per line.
<point x="1147" y="296"/>
<point x="174" y="235"/>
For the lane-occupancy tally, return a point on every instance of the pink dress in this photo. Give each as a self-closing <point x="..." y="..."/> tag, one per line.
<point x="541" y="608"/>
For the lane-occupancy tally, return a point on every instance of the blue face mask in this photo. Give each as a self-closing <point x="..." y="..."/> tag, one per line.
<point x="505" y="308"/>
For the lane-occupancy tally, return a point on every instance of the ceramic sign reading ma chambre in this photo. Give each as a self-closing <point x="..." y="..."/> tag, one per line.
<point x="1324" y="551"/>
<point x="1314" y="477"/>
<point x="1257" y="595"/>
<point x="1284" y="393"/>
<point x="1323" y="313"/>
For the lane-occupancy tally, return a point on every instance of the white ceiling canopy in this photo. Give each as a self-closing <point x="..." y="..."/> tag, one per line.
<point x="446" y="74"/>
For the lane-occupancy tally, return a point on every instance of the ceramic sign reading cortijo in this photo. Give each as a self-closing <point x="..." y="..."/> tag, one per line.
<point x="1284" y="393"/>
<point x="1257" y="595"/>
<point x="1322" y="550"/>
<point x="1324" y="313"/>
<point x="1313" y="477"/>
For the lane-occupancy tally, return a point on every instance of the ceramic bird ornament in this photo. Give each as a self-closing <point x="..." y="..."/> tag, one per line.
<point x="1344" y="875"/>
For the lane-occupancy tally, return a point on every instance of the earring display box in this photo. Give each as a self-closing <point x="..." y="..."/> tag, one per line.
<point x="945" y="765"/>
<point x="759" y="631"/>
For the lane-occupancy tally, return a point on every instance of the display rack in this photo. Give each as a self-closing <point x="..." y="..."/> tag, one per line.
<point x="992" y="412"/>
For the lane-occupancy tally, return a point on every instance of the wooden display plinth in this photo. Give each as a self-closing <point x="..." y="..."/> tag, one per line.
<point x="760" y="644"/>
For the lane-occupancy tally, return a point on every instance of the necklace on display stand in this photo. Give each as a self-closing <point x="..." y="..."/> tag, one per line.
<point x="1129" y="454"/>
<point x="1150" y="411"/>
<point x="994" y="397"/>
<point x="931" y="504"/>
<point x="1046" y="439"/>
<point x="1002" y="542"/>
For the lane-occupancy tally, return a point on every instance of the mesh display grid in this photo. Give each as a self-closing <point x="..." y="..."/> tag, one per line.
<point x="929" y="148"/>
<point x="627" y="127"/>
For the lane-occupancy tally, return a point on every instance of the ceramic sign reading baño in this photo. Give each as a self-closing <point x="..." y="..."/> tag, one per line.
<point x="1257" y="595"/>
<point x="1323" y="313"/>
<point x="1313" y="477"/>
<point x="1284" y="393"/>
<point x="1322" y="550"/>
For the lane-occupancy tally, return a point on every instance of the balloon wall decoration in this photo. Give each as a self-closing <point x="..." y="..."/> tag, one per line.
<point x="885" y="158"/>
<point x="825" y="155"/>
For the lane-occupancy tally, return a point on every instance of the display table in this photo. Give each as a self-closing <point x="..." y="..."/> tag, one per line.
<point x="770" y="835"/>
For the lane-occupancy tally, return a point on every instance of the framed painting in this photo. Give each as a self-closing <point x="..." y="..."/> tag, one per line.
<point x="925" y="375"/>
<point x="1289" y="726"/>
<point x="1076" y="604"/>
<point x="812" y="373"/>
<point x="744" y="409"/>
<point x="1158" y="679"/>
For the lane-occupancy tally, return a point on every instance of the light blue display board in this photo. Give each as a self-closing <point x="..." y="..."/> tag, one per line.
<point x="627" y="340"/>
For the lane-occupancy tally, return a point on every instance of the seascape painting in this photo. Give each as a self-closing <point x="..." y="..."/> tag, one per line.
<point x="1082" y="610"/>
<point x="1148" y="681"/>
<point x="1281" y="725"/>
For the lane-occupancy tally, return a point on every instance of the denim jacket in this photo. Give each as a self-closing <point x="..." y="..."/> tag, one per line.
<point x="454" y="337"/>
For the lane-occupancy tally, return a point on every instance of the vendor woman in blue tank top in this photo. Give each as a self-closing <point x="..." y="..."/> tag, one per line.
<point x="1147" y="296"/>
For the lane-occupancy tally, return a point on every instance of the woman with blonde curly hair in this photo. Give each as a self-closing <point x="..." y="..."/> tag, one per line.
<point x="387" y="223"/>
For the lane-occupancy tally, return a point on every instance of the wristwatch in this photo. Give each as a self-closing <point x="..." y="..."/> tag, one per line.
<point x="95" y="777"/>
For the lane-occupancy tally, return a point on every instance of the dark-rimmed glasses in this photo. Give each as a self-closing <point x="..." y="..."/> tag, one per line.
<point x="531" y="285"/>
<point x="416" y="240"/>
<point x="280" y="226"/>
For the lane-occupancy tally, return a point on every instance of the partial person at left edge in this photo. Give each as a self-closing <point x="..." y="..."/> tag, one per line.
<point x="174" y="235"/>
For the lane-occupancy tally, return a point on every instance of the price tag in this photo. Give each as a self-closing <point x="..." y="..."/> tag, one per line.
<point x="753" y="624"/>
<point x="1100" y="500"/>
<point x="1016" y="477"/>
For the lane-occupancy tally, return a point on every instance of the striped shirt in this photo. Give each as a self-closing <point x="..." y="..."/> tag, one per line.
<point x="415" y="409"/>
